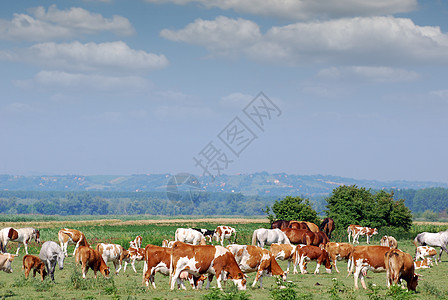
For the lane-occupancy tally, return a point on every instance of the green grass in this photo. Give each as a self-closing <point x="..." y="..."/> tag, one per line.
<point x="69" y="283"/>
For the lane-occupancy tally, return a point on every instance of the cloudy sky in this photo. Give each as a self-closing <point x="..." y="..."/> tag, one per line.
<point x="352" y="88"/>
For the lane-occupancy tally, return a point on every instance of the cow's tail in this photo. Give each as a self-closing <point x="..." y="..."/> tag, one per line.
<point x="254" y="238"/>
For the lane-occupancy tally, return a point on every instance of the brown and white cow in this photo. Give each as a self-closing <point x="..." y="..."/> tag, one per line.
<point x="400" y="266"/>
<point x="31" y="262"/>
<point x="389" y="241"/>
<point x="255" y="259"/>
<point x="71" y="236"/>
<point x="137" y="242"/>
<point x="425" y="251"/>
<point x="6" y="261"/>
<point x="339" y="251"/>
<point x="91" y="258"/>
<point x="114" y="253"/>
<point x="365" y="258"/>
<point x="308" y="253"/>
<point x="131" y="256"/>
<point x="423" y="264"/>
<point x="285" y="252"/>
<point x="205" y="259"/>
<point x="357" y="231"/>
<point x="224" y="233"/>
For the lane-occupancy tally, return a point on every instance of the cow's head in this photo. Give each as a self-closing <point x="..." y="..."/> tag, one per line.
<point x="106" y="272"/>
<point x="239" y="280"/>
<point x="36" y="234"/>
<point x="375" y="231"/>
<point x="60" y="259"/>
<point x="7" y="266"/>
<point x="413" y="282"/>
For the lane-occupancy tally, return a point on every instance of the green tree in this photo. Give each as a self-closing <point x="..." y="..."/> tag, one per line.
<point x="292" y="208"/>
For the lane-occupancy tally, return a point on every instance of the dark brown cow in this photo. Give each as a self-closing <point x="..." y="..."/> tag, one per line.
<point x="31" y="262"/>
<point x="399" y="265"/>
<point x="91" y="258"/>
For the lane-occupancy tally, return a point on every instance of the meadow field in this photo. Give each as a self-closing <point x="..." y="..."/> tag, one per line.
<point x="70" y="285"/>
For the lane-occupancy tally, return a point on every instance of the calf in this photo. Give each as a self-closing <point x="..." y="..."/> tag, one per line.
<point x="285" y="252"/>
<point x="357" y="231"/>
<point x="364" y="258"/>
<point x="308" y="253"/>
<point x="205" y="259"/>
<point x="71" y="236"/>
<point x="137" y="242"/>
<point x="425" y="251"/>
<point x="423" y="264"/>
<point x="91" y="258"/>
<point x="31" y="262"/>
<point x="131" y="256"/>
<point x="339" y="251"/>
<point x="6" y="261"/>
<point x="114" y="253"/>
<point x="224" y="233"/>
<point x="255" y="259"/>
<point x="389" y="241"/>
<point x="399" y="265"/>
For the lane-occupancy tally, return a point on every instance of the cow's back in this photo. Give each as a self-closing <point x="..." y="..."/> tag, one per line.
<point x="373" y="255"/>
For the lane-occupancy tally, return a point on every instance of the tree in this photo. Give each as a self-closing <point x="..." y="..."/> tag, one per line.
<point x="352" y="205"/>
<point x="292" y="208"/>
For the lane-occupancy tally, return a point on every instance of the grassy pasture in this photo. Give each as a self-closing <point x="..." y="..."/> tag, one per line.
<point x="69" y="283"/>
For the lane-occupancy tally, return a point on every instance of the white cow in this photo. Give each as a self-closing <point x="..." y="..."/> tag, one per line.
<point x="189" y="236"/>
<point x="113" y="253"/>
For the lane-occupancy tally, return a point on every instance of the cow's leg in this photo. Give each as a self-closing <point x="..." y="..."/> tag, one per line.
<point x="335" y="260"/>
<point x="115" y="266"/>
<point x="18" y="248"/>
<point x="210" y="278"/>
<point x="356" y="276"/>
<point x="84" y="270"/>
<point x="133" y="265"/>
<point x="287" y="268"/>
<point x="52" y="268"/>
<point x="174" y="278"/>
<point x="367" y="238"/>
<point x="26" y="247"/>
<point x="27" y="272"/>
<point x="317" y="268"/>
<point x="349" y="234"/>
<point x="76" y="247"/>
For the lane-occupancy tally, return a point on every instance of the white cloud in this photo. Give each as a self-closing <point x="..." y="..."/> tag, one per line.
<point x="354" y="41"/>
<point x="369" y="74"/>
<point x="221" y="36"/>
<point x="89" y="57"/>
<point x="306" y="9"/>
<point x="236" y="100"/>
<point x="60" y="24"/>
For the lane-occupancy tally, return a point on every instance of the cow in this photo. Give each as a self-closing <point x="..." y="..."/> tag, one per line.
<point x="423" y="264"/>
<point x="357" y="231"/>
<point x="339" y="251"/>
<point x="255" y="259"/>
<point x="205" y="259"/>
<point x="137" y="242"/>
<point x="327" y="226"/>
<point x="389" y="241"/>
<point x="425" y="251"/>
<point x="307" y="253"/>
<point x="50" y="254"/>
<point x="400" y="266"/>
<point x="365" y="258"/>
<point x="91" y="258"/>
<point x="285" y="252"/>
<point x="189" y="236"/>
<point x="114" y="253"/>
<point x="31" y="262"/>
<point x="224" y="233"/>
<point x="21" y="236"/>
<point x="207" y="233"/>
<point x="71" y="236"/>
<point x="6" y="260"/>
<point x="131" y="256"/>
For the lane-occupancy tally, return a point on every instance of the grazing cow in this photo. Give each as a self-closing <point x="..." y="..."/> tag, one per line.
<point x="280" y="224"/>
<point x="50" y="254"/>
<point x="31" y="262"/>
<point x="327" y="226"/>
<point x="423" y="264"/>
<point x="207" y="233"/>
<point x="308" y="253"/>
<point x="21" y="236"/>
<point x="255" y="259"/>
<point x="167" y="243"/>
<point x="339" y="251"/>
<point x="389" y="241"/>
<point x="137" y="242"/>
<point x="224" y="233"/>
<point x="205" y="259"/>
<point x="399" y="266"/>
<point x="189" y="236"/>
<point x="425" y="251"/>
<point x="365" y="258"/>
<point x="285" y="252"/>
<point x="114" y="253"/>
<point x="439" y="239"/>
<point x="91" y="258"/>
<point x="263" y="236"/>
<point x="6" y="261"/>
<point x="357" y="231"/>
<point x="72" y="236"/>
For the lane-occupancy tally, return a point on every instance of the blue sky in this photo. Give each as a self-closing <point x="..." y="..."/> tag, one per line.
<point x="143" y="87"/>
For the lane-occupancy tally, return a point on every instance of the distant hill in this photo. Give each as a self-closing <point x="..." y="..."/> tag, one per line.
<point x="262" y="183"/>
